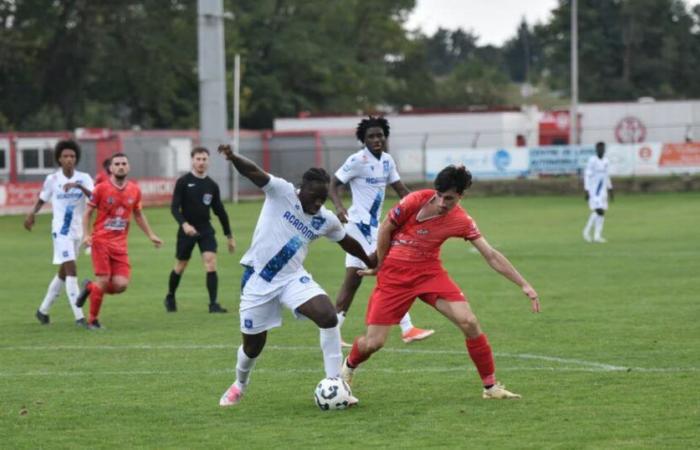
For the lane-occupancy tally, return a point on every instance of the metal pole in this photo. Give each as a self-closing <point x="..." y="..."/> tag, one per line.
<point x="236" y="119"/>
<point x="573" y="111"/>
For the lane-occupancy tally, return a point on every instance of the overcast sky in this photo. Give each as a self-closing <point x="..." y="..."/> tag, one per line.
<point x="494" y="21"/>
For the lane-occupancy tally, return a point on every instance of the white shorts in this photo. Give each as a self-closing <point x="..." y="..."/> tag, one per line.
<point x="598" y="201"/>
<point x="65" y="249"/>
<point x="262" y="312"/>
<point x="369" y="244"/>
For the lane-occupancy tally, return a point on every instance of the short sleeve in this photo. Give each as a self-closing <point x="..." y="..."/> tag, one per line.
<point x="349" y="170"/>
<point x="46" y="189"/>
<point x="96" y="195"/>
<point x="277" y="187"/>
<point x="471" y="231"/>
<point x="393" y="173"/>
<point x="138" y="205"/>
<point x="335" y="231"/>
<point x="88" y="183"/>
<point x="406" y="208"/>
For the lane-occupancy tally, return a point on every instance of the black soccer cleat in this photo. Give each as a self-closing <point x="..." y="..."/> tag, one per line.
<point x="94" y="325"/>
<point x="42" y="318"/>
<point x="81" y="323"/>
<point x="170" y="304"/>
<point x="84" y="292"/>
<point x="216" y="308"/>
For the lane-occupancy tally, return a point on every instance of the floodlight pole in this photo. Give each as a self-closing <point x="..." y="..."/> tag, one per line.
<point x="574" y="138"/>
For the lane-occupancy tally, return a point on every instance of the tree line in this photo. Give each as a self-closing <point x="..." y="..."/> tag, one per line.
<point x="103" y="63"/>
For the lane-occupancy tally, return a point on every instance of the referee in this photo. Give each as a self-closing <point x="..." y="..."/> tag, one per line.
<point x="194" y="194"/>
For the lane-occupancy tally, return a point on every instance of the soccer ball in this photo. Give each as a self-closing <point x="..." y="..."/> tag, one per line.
<point x="332" y="393"/>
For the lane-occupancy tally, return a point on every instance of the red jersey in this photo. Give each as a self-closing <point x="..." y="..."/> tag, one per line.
<point x="417" y="241"/>
<point x="114" y="206"/>
<point x="101" y="177"/>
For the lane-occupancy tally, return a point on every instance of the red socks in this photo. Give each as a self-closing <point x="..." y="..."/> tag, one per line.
<point x="356" y="357"/>
<point x="480" y="352"/>
<point x="96" y="295"/>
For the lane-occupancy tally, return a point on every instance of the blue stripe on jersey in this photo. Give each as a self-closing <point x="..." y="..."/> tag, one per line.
<point x="599" y="188"/>
<point x="366" y="231"/>
<point x="67" y="219"/>
<point x="247" y="273"/>
<point x="374" y="210"/>
<point x="281" y="259"/>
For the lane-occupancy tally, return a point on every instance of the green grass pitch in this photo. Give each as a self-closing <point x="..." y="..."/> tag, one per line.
<point x="613" y="360"/>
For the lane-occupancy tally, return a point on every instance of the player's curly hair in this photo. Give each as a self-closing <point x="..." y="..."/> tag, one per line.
<point x="67" y="144"/>
<point x="315" y="174"/>
<point x="453" y="177"/>
<point x="369" y="122"/>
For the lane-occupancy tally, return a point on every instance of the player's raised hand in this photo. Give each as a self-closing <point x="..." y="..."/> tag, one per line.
<point x="534" y="298"/>
<point x="29" y="221"/>
<point x="156" y="240"/>
<point x="226" y="150"/>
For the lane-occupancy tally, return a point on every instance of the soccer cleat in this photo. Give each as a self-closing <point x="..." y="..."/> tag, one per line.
<point x="81" y="323"/>
<point x="498" y="392"/>
<point x="94" y="325"/>
<point x="216" y="308"/>
<point x="415" y="334"/>
<point x="346" y="372"/>
<point x="587" y="237"/>
<point x="231" y="397"/>
<point x="352" y="400"/>
<point x="84" y="293"/>
<point x="600" y="240"/>
<point x="170" y="305"/>
<point x="42" y="318"/>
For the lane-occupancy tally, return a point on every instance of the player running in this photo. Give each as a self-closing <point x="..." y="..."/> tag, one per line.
<point x="368" y="172"/>
<point x="114" y="201"/>
<point x="408" y="266"/>
<point x="598" y="187"/>
<point x="67" y="189"/>
<point x="195" y="194"/>
<point x="274" y="276"/>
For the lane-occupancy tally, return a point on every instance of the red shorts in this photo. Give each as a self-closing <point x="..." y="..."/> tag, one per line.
<point x="110" y="259"/>
<point x="398" y="285"/>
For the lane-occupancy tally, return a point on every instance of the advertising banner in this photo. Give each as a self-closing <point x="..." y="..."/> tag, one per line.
<point x="559" y="159"/>
<point x="492" y="163"/>
<point x="680" y="158"/>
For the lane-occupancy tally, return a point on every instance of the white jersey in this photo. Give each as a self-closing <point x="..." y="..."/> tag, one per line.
<point x="596" y="177"/>
<point x="284" y="232"/>
<point x="68" y="207"/>
<point x="368" y="177"/>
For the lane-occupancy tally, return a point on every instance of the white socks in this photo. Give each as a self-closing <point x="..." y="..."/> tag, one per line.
<point x="72" y="290"/>
<point x="332" y="353"/>
<point x="341" y="319"/>
<point x="406" y="324"/>
<point x="244" y="365"/>
<point x="52" y="294"/>
<point x="589" y="224"/>
<point x="600" y="220"/>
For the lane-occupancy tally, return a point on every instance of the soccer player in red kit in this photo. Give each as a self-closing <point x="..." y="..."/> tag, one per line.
<point x="114" y="200"/>
<point x="408" y="253"/>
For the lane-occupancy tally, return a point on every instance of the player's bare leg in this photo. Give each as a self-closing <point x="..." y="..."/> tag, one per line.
<point x="364" y="346"/>
<point x="478" y="347"/>
<point x="248" y="352"/>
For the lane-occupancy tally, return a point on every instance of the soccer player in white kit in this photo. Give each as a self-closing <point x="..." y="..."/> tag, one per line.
<point x="68" y="190"/>
<point x="274" y="276"/>
<point x="598" y="187"/>
<point x="367" y="172"/>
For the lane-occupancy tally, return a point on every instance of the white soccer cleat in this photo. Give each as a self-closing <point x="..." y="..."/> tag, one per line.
<point x="346" y="372"/>
<point x="352" y="401"/>
<point x="231" y="397"/>
<point x="587" y="237"/>
<point x="600" y="240"/>
<point x="499" y="392"/>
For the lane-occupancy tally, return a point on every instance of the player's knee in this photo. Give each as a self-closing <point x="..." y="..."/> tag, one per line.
<point x="119" y="287"/>
<point x="253" y="349"/>
<point x="180" y="266"/>
<point x="468" y="324"/>
<point x="327" y="319"/>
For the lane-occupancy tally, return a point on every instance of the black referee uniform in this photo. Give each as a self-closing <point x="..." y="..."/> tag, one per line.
<point x="192" y="199"/>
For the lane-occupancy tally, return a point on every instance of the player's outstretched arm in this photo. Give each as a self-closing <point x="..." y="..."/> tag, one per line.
<point x="351" y="246"/>
<point x="400" y="189"/>
<point x="386" y="229"/>
<point x="29" y="220"/>
<point x="245" y="167"/>
<point x="502" y="265"/>
<point x="142" y="222"/>
<point x="336" y="197"/>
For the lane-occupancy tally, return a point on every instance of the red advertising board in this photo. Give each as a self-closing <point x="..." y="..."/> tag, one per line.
<point x="680" y="155"/>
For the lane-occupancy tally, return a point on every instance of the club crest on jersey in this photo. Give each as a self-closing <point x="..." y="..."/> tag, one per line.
<point x="248" y="323"/>
<point x="207" y="199"/>
<point x="130" y="201"/>
<point x="304" y="279"/>
<point x="317" y="222"/>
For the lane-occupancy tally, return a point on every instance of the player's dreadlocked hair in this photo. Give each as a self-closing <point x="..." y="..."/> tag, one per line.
<point x="453" y="177"/>
<point x="316" y="174"/>
<point x="369" y="122"/>
<point x="67" y="144"/>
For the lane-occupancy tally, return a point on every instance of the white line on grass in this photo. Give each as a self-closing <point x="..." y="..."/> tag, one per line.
<point x="589" y="366"/>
